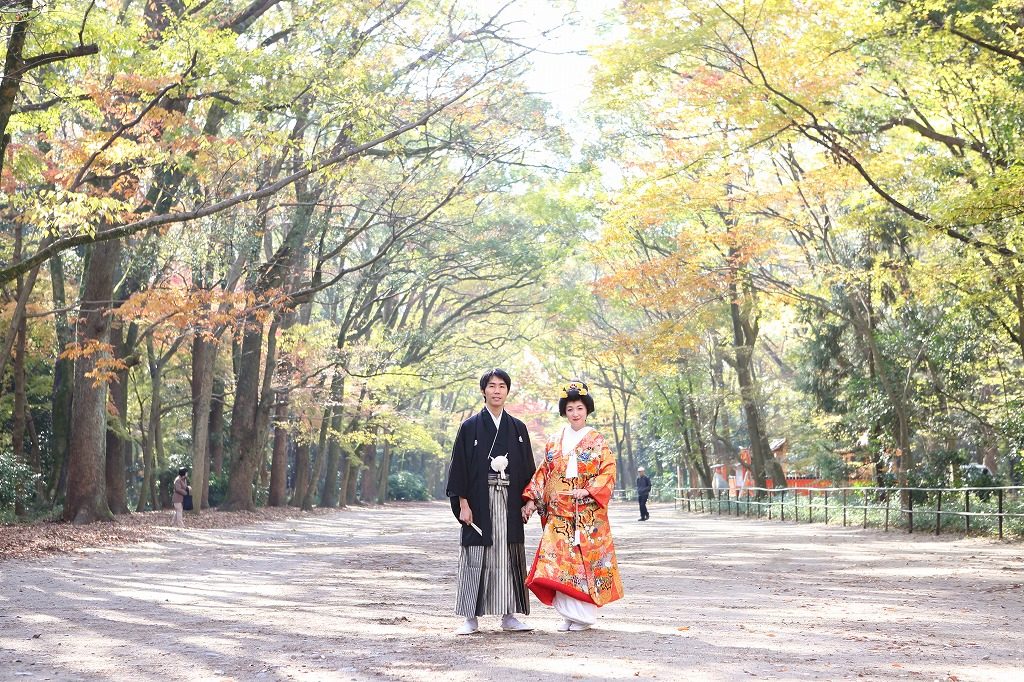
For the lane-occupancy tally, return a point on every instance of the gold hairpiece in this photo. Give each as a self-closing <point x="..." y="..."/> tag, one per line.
<point x="577" y="386"/>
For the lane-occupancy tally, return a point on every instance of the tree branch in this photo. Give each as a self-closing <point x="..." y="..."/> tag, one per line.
<point x="10" y="272"/>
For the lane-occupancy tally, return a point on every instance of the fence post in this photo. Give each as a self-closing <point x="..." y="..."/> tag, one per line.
<point x="864" y="503"/>
<point x="844" y="507"/>
<point x="967" y="509"/>
<point x="910" y="509"/>
<point x="938" y="512"/>
<point x="826" y="506"/>
<point x="810" y="506"/>
<point x="782" y="505"/>
<point x="796" y="507"/>
<point x="999" y="496"/>
<point x="887" y="498"/>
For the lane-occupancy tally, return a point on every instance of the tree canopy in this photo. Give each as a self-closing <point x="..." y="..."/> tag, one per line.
<point x="278" y="241"/>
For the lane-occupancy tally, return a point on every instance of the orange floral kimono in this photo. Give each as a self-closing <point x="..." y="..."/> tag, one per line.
<point x="588" y="572"/>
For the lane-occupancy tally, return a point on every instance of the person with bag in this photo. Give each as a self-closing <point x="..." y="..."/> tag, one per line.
<point x="182" y="494"/>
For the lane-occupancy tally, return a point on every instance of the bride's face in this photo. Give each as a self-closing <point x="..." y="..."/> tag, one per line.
<point x="576" y="413"/>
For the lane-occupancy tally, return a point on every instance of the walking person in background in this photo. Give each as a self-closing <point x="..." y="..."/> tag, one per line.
<point x="643" y="491"/>
<point x="575" y="570"/>
<point x="181" y="489"/>
<point x="492" y="462"/>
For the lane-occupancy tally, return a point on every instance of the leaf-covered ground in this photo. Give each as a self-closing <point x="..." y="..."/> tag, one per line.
<point x="367" y="594"/>
<point x="40" y="539"/>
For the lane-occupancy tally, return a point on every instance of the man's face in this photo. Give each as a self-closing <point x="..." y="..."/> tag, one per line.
<point x="495" y="393"/>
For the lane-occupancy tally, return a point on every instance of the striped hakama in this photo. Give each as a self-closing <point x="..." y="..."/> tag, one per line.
<point x="492" y="580"/>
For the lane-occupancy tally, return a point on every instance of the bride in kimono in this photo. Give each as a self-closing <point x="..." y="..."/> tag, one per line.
<point x="575" y="569"/>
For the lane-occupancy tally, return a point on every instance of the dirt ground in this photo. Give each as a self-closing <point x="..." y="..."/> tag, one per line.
<point x="367" y="594"/>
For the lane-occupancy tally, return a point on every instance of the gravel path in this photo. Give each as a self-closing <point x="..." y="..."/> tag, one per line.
<point x="366" y="594"/>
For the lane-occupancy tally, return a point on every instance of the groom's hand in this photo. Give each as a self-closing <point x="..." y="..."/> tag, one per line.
<point x="465" y="513"/>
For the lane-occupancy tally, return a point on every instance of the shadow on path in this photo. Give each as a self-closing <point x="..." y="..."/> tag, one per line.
<point x="367" y="594"/>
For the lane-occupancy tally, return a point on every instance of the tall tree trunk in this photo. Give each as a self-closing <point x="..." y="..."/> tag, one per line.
<point x="217" y="428"/>
<point x="745" y="331"/>
<point x="243" y="419"/>
<point x="20" y="416"/>
<point x="368" y="492"/>
<point x="251" y="415"/>
<point x="350" y="478"/>
<point x="60" y="396"/>
<point x="151" y="435"/>
<point x="330" y="495"/>
<point x="309" y="499"/>
<point x="302" y="474"/>
<point x="279" y="458"/>
<point x="87" y="495"/>
<point x="117" y="497"/>
<point x="204" y="355"/>
<point x="156" y="409"/>
<point x="383" y="469"/>
<point x="332" y="463"/>
<point x="148" y="471"/>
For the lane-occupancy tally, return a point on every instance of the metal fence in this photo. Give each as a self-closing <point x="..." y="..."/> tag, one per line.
<point x="989" y="511"/>
<point x="658" y="494"/>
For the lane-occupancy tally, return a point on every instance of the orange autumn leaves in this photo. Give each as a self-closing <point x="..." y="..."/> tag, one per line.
<point x="170" y="314"/>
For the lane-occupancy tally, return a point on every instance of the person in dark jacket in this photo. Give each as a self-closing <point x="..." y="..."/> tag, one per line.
<point x="492" y="463"/>
<point x="643" y="491"/>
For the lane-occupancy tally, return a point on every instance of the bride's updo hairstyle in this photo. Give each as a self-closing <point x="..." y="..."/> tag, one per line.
<point x="575" y="390"/>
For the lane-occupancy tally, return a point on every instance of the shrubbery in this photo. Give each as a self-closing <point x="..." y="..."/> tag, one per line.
<point x="406" y="485"/>
<point x="218" y="489"/>
<point x="16" y="480"/>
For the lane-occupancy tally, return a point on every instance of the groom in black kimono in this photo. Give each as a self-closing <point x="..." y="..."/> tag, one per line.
<point x="492" y="462"/>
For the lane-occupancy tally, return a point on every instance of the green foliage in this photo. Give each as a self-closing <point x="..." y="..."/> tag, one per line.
<point x="407" y="486"/>
<point x="831" y="467"/>
<point x="218" y="489"/>
<point x="16" y="481"/>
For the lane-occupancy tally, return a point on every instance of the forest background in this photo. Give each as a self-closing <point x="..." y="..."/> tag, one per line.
<point x="278" y="241"/>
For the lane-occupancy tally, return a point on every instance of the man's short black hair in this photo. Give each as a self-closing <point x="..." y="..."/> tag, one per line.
<point x="492" y="373"/>
<point x="573" y="391"/>
<point x="182" y="471"/>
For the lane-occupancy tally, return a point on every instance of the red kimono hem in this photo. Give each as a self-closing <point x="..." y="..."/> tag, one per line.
<point x="545" y="588"/>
